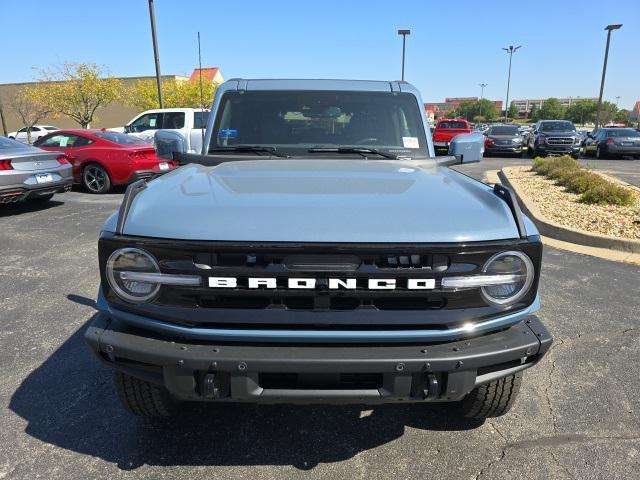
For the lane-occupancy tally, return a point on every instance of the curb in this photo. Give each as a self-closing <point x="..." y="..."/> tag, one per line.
<point x="567" y="234"/>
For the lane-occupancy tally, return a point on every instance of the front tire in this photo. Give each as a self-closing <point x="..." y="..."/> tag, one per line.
<point x="95" y="179"/>
<point x="142" y="398"/>
<point x="599" y="153"/>
<point x="492" y="399"/>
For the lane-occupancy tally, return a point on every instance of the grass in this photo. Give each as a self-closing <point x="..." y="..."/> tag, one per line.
<point x="592" y="188"/>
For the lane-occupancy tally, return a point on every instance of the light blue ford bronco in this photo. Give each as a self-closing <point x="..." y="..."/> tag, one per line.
<point x="317" y="251"/>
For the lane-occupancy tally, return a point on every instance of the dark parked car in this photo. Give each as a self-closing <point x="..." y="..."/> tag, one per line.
<point x="554" y="137"/>
<point x="503" y="139"/>
<point x="607" y="142"/>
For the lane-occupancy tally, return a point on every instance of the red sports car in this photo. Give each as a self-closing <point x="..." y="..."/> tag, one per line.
<point x="101" y="158"/>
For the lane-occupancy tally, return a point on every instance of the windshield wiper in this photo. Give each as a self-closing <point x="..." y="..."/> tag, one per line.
<point x="249" y="149"/>
<point x="360" y="150"/>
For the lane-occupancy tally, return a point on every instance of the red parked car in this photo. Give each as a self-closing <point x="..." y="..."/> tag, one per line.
<point x="101" y="158"/>
<point x="447" y="128"/>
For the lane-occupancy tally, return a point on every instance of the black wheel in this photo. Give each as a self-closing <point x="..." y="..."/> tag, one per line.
<point x="575" y="155"/>
<point x="599" y="153"/>
<point x="41" y="198"/>
<point x="96" y="179"/>
<point x="491" y="399"/>
<point x="143" y="398"/>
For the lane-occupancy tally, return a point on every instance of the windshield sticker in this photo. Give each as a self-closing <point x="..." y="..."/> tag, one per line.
<point x="64" y="141"/>
<point x="410" y="142"/>
<point x="228" y="133"/>
<point x="152" y="122"/>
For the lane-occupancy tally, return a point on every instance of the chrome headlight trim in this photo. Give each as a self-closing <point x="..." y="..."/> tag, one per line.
<point x="529" y="276"/>
<point x="113" y="283"/>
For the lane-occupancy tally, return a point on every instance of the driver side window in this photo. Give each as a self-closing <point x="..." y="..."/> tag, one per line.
<point x="150" y="121"/>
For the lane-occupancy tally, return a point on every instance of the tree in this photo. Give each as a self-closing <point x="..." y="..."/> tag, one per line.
<point x="79" y="89"/>
<point x="551" y="110"/>
<point x="32" y="104"/>
<point x="622" y="115"/>
<point x="513" y="112"/>
<point x="177" y="93"/>
<point x="607" y="112"/>
<point x="534" y="113"/>
<point x="470" y="109"/>
<point x="582" y="111"/>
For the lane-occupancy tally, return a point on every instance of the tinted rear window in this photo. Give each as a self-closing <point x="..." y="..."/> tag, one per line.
<point x="200" y="119"/>
<point x="452" y="125"/>
<point x="120" y="138"/>
<point x="622" y="132"/>
<point x="503" y="131"/>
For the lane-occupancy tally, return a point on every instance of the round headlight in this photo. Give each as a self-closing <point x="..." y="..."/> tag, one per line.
<point x="132" y="260"/>
<point x="517" y="269"/>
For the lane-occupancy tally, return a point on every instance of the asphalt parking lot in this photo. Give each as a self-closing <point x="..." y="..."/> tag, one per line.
<point x="578" y="415"/>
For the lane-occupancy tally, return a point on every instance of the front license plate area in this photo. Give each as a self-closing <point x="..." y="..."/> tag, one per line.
<point x="163" y="166"/>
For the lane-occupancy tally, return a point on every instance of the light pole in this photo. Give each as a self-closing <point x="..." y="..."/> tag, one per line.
<point x="510" y="51"/>
<point x="481" y="85"/>
<point x="609" y="29"/>
<point x="404" y="34"/>
<point x="156" y="56"/>
<point x="617" y="100"/>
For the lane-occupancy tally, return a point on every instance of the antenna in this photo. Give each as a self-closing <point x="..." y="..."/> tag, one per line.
<point x="201" y="92"/>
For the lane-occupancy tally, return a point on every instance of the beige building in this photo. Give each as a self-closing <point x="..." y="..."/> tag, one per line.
<point x="113" y="115"/>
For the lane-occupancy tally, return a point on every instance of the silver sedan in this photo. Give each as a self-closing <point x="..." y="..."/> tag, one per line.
<point x="29" y="173"/>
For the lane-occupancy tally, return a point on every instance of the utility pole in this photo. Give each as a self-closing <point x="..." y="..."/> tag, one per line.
<point x="617" y="100"/>
<point x="156" y="56"/>
<point x="404" y="34"/>
<point x="609" y="29"/>
<point x="482" y="85"/>
<point x="4" y="124"/>
<point x="510" y="51"/>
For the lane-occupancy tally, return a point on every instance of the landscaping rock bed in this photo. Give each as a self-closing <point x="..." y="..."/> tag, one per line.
<point x="564" y="208"/>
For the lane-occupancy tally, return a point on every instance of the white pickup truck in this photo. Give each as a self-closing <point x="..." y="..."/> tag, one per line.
<point x="189" y="122"/>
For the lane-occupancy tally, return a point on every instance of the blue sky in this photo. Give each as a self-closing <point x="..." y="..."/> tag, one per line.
<point x="454" y="45"/>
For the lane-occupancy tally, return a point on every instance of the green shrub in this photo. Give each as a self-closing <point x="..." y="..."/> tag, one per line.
<point x="582" y="181"/>
<point x="567" y="172"/>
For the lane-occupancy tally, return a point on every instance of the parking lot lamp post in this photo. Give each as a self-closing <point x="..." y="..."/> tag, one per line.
<point x="617" y="100"/>
<point x="609" y="29"/>
<point x="482" y="85"/>
<point x="404" y="34"/>
<point x="510" y="51"/>
<point x="156" y="56"/>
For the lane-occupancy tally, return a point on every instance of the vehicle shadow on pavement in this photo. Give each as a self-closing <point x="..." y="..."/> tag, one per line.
<point x="69" y="402"/>
<point x="19" y="208"/>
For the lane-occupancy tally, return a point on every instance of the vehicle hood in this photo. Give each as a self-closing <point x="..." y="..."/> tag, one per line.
<point x="320" y="200"/>
<point x="503" y="137"/>
<point x="568" y="133"/>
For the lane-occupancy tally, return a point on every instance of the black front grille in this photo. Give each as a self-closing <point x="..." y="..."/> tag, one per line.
<point x="560" y="141"/>
<point x="319" y="307"/>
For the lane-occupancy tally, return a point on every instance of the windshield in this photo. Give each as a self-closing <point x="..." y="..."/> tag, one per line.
<point x="623" y="132"/>
<point x="120" y="138"/>
<point x="556" y="127"/>
<point x="503" y="130"/>
<point x="295" y="121"/>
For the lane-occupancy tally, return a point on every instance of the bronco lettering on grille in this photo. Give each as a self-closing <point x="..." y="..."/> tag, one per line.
<point x="331" y="284"/>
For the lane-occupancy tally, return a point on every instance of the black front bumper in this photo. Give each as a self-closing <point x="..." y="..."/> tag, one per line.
<point x="364" y="374"/>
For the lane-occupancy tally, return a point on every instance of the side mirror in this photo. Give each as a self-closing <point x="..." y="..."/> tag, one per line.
<point x="467" y="147"/>
<point x="167" y="143"/>
<point x="126" y="129"/>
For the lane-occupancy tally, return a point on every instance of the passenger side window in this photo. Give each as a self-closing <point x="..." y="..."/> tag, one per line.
<point x="174" y="120"/>
<point x="150" y="121"/>
<point x="200" y="119"/>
